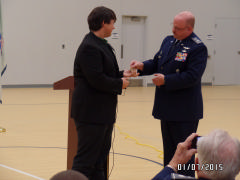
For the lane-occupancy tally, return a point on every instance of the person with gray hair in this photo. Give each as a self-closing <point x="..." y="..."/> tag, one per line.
<point x="221" y="153"/>
<point x="218" y="158"/>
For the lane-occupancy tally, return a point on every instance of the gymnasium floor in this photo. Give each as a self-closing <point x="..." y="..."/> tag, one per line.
<point x="34" y="144"/>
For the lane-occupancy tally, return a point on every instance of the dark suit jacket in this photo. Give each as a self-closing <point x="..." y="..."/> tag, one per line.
<point x="180" y="99"/>
<point x="97" y="82"/>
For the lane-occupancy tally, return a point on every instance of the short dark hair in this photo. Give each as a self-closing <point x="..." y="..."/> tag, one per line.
<point x="98" y="16"/>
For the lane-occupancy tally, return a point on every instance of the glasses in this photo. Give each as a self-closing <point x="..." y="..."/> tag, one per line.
<point x="177" y="28"/>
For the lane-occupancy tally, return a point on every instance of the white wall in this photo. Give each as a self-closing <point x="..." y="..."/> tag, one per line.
<point x="35" y="30"/>
<point x="161" y="13"/>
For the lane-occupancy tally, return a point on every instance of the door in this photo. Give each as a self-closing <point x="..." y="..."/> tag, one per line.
<point x="227" y="52"/>
<point x="133" y="40"/>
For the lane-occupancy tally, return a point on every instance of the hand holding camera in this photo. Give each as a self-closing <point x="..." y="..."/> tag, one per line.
<point x="184" y="151"/>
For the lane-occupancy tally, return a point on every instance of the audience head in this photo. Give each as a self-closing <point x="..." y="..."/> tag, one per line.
<point x="69" y="175"/>
<point x="221" y="153"/>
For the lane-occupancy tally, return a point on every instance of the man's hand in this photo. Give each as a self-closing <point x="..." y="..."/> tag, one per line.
<point x="129" y="73"/>
<point x="125" y="83"/>
<point x="137" y="65"/>
<point x="184" y="152"/>
<point x="158" y="80"/>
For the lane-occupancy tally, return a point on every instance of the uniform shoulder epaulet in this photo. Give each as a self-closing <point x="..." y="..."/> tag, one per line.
<point x="196" y="40"/>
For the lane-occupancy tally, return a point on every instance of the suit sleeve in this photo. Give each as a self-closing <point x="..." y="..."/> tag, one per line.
<point x="164" y="174"/>
<point x="120" y="75"/>
<point x="196" y="65"/>
<point x="150" y="66"/>
<point x="91" y="63"/>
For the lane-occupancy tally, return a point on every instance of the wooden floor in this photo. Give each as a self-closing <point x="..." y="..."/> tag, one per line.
<point x="35" y="141"/>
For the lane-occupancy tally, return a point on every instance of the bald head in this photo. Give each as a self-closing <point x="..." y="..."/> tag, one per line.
<point x="183" y="25"/>
<point x="188" y="17"/>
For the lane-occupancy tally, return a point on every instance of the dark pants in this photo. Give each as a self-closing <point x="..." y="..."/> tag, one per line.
<point x="94" y="143"/>
<point x="174" y="133"/>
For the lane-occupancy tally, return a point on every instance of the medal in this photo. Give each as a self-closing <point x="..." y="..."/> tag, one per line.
<point x="181" y="56"/>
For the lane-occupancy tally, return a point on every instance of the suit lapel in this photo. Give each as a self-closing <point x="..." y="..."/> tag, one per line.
<point x="172" y="52"/>
<point x="169" y="54"/>
<point x="107" y="49"/>
<point x="112" y="52"/>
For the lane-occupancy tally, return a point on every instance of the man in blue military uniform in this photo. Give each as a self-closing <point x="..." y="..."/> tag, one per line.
<point x="178" y="67"/>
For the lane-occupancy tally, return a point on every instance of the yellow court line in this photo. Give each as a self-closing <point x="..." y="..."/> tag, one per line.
<point x="2" y="129"/>
<point x="127" y="136"/>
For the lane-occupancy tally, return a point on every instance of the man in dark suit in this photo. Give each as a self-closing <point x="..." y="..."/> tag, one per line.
<point x="98" y="81"/>
<point x="218" y="158"/>
<point x="178" y="67"/>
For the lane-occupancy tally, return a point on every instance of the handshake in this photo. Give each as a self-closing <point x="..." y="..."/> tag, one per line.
<point x="132" y="72"/>
<point x="158" y="80"/>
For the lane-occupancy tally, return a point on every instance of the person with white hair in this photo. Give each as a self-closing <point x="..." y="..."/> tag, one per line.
<point x="221" y="152"/>
<point x="218" y="158"/>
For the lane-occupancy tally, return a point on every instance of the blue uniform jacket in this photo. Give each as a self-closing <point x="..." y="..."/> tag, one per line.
<point x="168" y="174"/>
<point x="180" y="99"/>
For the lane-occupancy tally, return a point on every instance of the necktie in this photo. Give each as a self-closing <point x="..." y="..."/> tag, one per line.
<point x="176" y="42"/>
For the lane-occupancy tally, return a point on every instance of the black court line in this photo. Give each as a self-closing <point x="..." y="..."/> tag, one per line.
<point x="39" y="147"/>
<point x="138" y="157"/>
